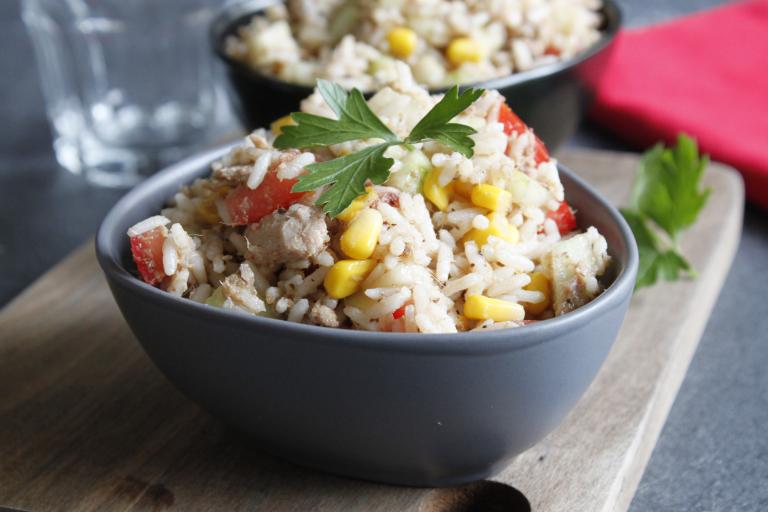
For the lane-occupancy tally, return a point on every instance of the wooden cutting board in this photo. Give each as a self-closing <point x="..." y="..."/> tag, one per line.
<point x="88" y="424"/>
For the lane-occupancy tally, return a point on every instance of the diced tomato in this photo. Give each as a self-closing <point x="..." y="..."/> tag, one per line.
<point x="551" y="50"/>
<point x="398" y="313"/>
<point x="246" y="206"/>
<point x="563" y="217"/>
<point x="147" y="252"/>
<point x="541" y="154"/>
<point x="513" y="124"/>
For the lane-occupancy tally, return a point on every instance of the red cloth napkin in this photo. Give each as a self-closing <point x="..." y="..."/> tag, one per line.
<point x="706" y="75"/>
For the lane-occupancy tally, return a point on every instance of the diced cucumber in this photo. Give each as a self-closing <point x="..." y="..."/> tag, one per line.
<point x="379" y="64"/>
<point x="526" y="191"/>
<point x="217" y="298"/>
<point x="411" y="174"/>
<point x="343" y="20"/>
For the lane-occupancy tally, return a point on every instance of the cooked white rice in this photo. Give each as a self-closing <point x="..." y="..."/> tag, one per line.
<point x="347" y="40"/>
<point x="425" y="266"/>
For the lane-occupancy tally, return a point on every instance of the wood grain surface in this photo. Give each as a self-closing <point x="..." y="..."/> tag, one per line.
<point x="88" y="424"/>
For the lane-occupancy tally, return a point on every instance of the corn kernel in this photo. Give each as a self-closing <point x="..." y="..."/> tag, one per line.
<point x="278" y="125"/>
<point x="402" y="42"/>
<point x="351" y="211"/>
<point x="345" y="277"/>
<point x="539" y="283"/>
<point x="463" y="189"/>
<point x="431" y="189"/>
<point x="498" y="227"/>
<point x="362" y="235"/>
<point x="479" y="307"/>
<point x="464" y="49"/>
<point x="207" y="211"/>
<point x="493" y="198"/>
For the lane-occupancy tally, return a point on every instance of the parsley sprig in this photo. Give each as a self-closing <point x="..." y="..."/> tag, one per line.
<point x="346" y="176"/>
<point x="666" y="199"/>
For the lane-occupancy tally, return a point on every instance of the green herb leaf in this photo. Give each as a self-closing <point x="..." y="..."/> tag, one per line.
<point x="334" y="95"/>
<point x="669" y="264"/>
<point x="346" y="176"/>
<point x="667" y="186"/>
<point x="666" y="199"/>
<point x="436" y="124"/>
<point x="356" y="122"/>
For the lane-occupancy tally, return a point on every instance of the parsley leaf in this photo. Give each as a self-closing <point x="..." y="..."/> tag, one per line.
<point x="356" y="122"/>
<point x="667" y="186"/>
<point x="347" y="176"/>
<point x="666" y="199"/>
<point x="436" y="124"/>
<point x="668" y="264"/>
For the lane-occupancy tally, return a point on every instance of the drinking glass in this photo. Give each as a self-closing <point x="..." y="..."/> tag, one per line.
<point x="128" y="84"/>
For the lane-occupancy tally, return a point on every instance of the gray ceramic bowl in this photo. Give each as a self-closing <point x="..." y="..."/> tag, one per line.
<point x="414" y="409"/>
<point x="552" y="99"/>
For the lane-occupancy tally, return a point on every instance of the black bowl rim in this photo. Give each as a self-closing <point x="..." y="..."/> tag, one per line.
<point x="233" y="14"/>
<point x="472" y="342"/>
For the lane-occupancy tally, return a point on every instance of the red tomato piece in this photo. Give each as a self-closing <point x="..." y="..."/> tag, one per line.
<point x="246" y="206"/>
<point x="541" y="154"/>
<point x="563" y="217"/>
<point x="147" y="252"/>
<point x="513" y="124"/>
<point x="398" y="313"/>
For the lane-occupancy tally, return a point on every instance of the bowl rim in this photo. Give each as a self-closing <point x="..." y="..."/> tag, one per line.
<point x="469" y="342"/>
<point x="234" y="14"/>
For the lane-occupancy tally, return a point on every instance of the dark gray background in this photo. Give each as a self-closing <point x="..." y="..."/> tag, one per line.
<point x="713" y="452"/>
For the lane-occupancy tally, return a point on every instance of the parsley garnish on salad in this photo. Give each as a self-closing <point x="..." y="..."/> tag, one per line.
<point x="667" y="198"/>
<point x="346" y="176"/>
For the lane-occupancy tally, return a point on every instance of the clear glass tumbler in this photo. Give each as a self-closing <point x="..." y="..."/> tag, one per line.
<point x="128" y="84"/>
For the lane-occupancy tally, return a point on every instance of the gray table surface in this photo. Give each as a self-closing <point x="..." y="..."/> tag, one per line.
<point x="713" y="451"/>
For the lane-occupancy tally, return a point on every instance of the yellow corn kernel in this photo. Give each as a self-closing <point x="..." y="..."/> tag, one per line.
<point x="463" y="189"/>
<point x="351" y="211"/>
<point x="494" y="198"/>
<point x="207" y="211"/>
<point x="402" y="42"/>
<point x="539" y="283"/>
<point x="464" y="49"/>
<point x="345" y="277"/>
<point x="277" y="126"/>
<point x="498" y="226"/>
<point x="431" y="189"/>
<point x="479" y="307"/>
<point x="362" y="235"/>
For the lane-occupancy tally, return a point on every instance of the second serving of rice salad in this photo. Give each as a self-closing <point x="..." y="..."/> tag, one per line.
<point x="448" y="243"/>
<point x="357" y="42"/>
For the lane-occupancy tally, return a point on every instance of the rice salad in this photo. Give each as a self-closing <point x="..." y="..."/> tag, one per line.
<point x="357" y="42"/>
<point x="446" y="244"/>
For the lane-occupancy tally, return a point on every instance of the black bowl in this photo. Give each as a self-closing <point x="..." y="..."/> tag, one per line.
<point x="404" y="408"/>
<point x="552" y="99"/>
